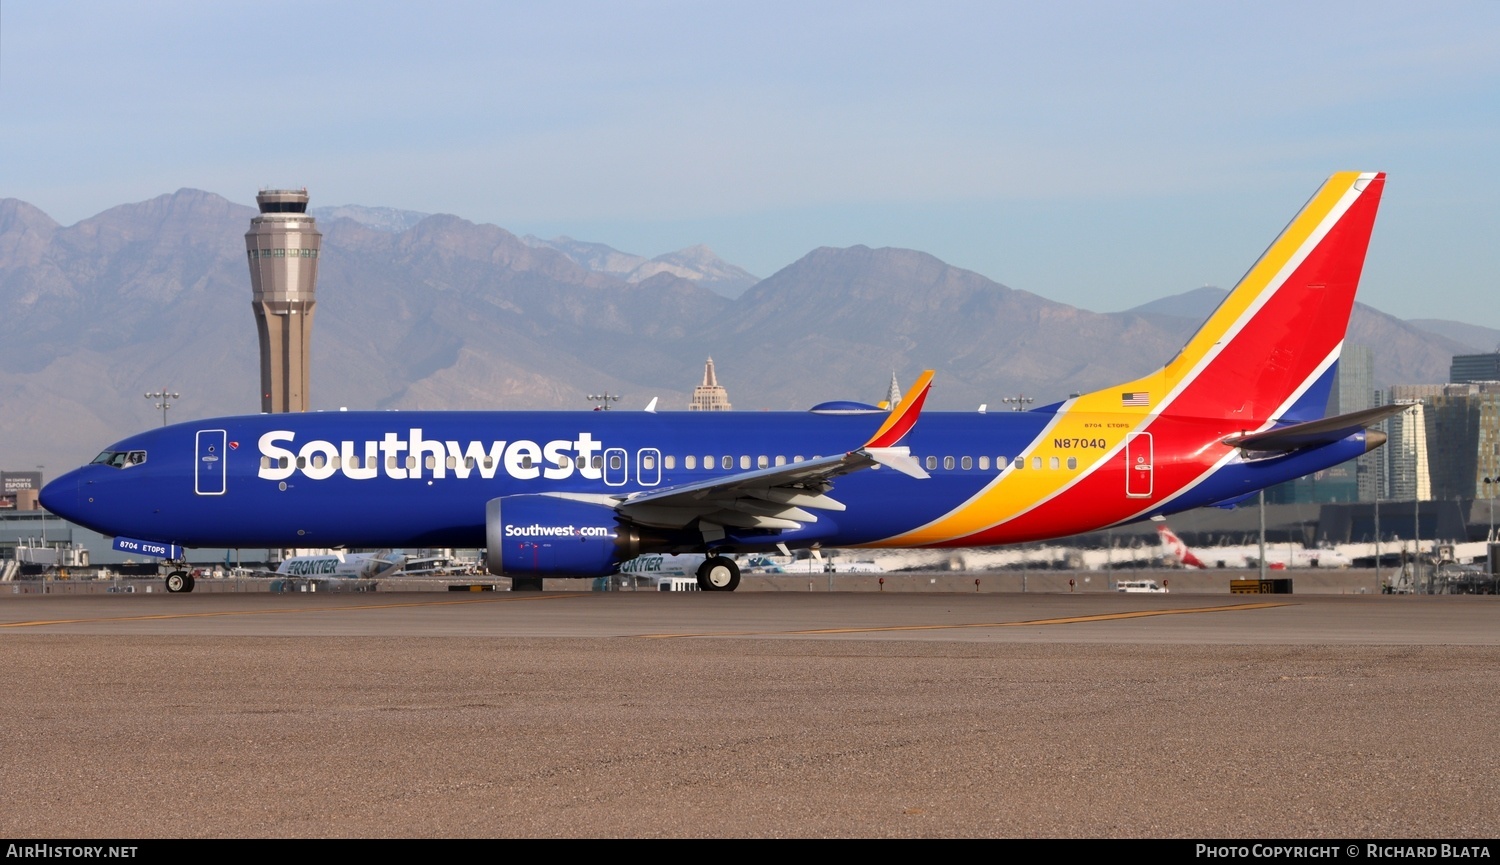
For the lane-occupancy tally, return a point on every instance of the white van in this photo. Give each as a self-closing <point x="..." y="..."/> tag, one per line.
<point x="1146" y="586"/>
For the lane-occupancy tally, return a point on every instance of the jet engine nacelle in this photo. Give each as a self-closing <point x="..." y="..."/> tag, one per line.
<point x="542" y="535"/>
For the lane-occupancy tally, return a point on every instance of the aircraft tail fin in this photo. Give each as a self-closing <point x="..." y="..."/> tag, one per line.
<point x="1270" y="349"/>
<point x="1173" y="547"/>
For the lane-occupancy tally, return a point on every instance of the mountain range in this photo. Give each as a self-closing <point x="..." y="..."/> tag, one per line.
<point x="433" y="311"/>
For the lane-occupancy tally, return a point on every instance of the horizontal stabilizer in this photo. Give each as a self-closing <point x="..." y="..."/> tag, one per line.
<point x="899" y="459"/>
<point x="1317" y="432"/>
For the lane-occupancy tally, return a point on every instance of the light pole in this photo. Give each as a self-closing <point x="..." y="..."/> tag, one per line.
<point x="161" y="398"/>
<point x="1416" y="504"/>
<point x="1018" y="402"/>
<point x="1489" y="539"/>
<point x="603" y="400"/>
<point x="44" y="539"/>
<point x="40" y="470"/>
<point x="1378" y="479"/>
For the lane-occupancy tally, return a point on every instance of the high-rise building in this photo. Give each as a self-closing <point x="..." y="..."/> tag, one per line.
<point x="1463" y="433"/>
<point x="282" y="245"/>
<point x="1410" y="472"/>
<point x="1474" y="367"/>
<point x="709" y="396"/>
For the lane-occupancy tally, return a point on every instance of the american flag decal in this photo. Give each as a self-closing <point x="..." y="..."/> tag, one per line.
<point x="1139" y="397"/>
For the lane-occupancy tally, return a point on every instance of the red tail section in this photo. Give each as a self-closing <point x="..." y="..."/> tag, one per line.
<point x="1175" y="548"/>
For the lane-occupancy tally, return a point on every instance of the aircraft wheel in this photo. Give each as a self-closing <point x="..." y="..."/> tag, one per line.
<point x="179" y="581"/>
<point x="718" y="574"/>
<point x="191" y="582"/>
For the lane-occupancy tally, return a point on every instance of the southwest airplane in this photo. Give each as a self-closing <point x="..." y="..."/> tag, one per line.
<point x="575" y="494"/>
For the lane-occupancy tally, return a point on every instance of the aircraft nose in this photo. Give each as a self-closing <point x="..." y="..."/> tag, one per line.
<point x="60" y="496"/>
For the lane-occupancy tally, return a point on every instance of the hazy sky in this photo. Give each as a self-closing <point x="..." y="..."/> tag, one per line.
<point x="1099" y="154"/>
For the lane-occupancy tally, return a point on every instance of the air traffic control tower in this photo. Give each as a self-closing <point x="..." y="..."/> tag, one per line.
<point x="282" y="245"/>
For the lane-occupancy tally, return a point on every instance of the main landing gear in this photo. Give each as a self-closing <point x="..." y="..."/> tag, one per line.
<point x="718" y="574"/>
<point x="180" y="581"/>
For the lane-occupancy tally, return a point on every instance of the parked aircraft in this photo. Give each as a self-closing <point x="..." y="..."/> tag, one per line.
<point x="352" y="566"/>
<point x="1277" y="555"/>
<point x="657" y="565"/>
<point x="574" y="494"/>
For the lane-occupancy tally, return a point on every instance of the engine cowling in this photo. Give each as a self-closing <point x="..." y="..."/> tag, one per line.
<point x="548" y="536"/>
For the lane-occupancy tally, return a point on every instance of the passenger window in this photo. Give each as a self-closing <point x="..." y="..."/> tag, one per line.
<point x="762" y="462"/>
<point x="966" y="463"/>
<point x="489" y="462"/>
<point x="648" y="462"/>
<point x="301" y="462"/>
<point x="1052" y="463"/>
<point x="780" y="460"/>
<point x="451" y="462"/>
<point x="984" y="463"/>
<point x="689" y="462"/>
<point x="1072" y="462"/>
<point x="1020" y="463"/>
<point x="430" y="461"/>
<point x="283" y="462"/>
<point x="1036" y="462"/>
<point x="948" y="463"/>
<point x="411" y="462"/>
<point x="744" y="461"/>
<point x="526" y="461"/>
<point x="265" y="462"/>
<point x="319" y="460"/>
<point x="468" y="462"/>
<point x="932" y="462"/>
<point x="797" y="458"/>
<point x="669" y="462"/>
<point x="598" y="462"/>
<point x="614" y="461"/>
<point x="727" y="462"/>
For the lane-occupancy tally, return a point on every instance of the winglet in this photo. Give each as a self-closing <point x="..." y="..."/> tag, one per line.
<point x="904" y="417"/>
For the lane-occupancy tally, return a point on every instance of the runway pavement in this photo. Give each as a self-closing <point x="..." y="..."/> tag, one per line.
<point x="751" y="714"/>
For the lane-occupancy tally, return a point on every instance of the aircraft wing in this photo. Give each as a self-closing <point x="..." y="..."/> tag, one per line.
<point x="779" y="497"/>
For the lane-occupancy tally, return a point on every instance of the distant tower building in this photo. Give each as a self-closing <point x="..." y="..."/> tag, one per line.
<point x="282" y="245"/>
<point x="1410" y="474"/>
<point x="709" y="396"/>
<point x="1474" y="367"/>
<point x="893" y="395"/>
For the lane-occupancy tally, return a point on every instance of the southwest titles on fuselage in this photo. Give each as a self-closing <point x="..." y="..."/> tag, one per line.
<point x="521" y="459"/>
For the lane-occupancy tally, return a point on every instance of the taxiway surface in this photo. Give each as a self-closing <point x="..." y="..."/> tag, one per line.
<point x="752" y="714"/>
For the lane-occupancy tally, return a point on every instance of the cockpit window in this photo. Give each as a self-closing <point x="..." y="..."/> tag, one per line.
<point x="120" y="459"/>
